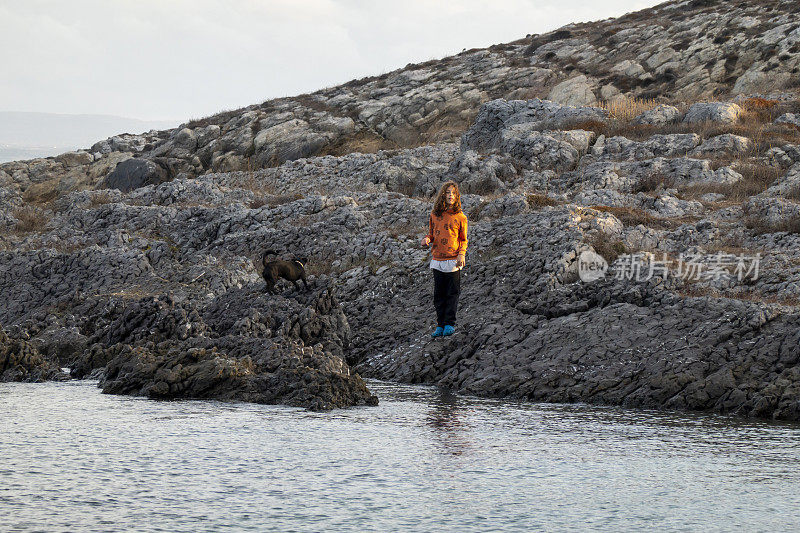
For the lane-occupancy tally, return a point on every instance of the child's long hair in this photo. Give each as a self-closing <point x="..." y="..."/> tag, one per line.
<point x="440" y="206"/>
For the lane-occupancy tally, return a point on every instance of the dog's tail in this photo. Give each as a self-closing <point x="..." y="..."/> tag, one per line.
<point x="268" y="252"/>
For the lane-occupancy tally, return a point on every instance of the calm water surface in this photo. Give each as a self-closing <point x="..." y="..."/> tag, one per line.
<point x="423" y="460"/>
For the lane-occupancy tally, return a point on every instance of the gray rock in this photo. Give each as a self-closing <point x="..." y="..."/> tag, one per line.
<point x="724" y="144"/>
<point x="712" y="197"/>
<point x="719" y="112"/>
<point x="659" y="116"/>
<point x="134" y="173"/>
<point x="496" y="116"/>
<point x="788" y="186"/>
<point x="789" y="118"/>
<point x="575" y="91"/>
<point x="775" y="212"/>
<point x="21" y="361"/>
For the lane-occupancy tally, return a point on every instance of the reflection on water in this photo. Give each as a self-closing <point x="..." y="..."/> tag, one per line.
<point x="447" y="418"/>
<point x="423" y="460"/>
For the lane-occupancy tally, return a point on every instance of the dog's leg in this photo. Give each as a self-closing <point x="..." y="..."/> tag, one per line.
<point x="305" y="283"/>
<point x="296" y="286"/>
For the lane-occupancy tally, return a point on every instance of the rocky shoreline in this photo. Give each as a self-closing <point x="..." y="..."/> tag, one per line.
<point x="135" y="262"/>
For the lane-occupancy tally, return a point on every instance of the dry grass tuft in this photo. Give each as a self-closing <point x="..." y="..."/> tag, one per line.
<point x="627" y="109"/>
<point x="365" y="142"/>
<point x="609" y="249"/>
<point x="652" y="182"/>
<point x="633" y="217"/>
<point x="757" y="178"/>
<point x="29" y="219"/>
<point x="760" y="108"/>
<point x="101" y="198"/>
<point x="537" y="201"/>
<point x="273" y="200"/>
<point x="761" y="226"/>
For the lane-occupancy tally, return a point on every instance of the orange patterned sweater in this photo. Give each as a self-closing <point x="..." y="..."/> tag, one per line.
<point x="448" y="235"/>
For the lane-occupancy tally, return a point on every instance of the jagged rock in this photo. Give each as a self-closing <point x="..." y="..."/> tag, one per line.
<point x="788" y="186"/>
<point x="629" y="68"/>
<point x="662" y="206"/>
<point x="659" y="116"/>
<point x="712" y="197"/>
<point x="776" y="212"/>
<point x="667" y="206"/>
<point x="726" y="143"/>
<point x="789" y="118"/>
<point x="575" y="91"/>
<point x="162" y="281"/>
<point x="71" y="159"/>
<point x="537" y="151"/>
<point x="509" y="205"/>
<point x="720" y="112"/>
<point x="784" y="156"/>
<point x="757" y="79"/>
<point x="481" y="174"/>
<point x="670" y="145"/>
<point x="21" y="361"/>
<point x="134" y="173"/>
<point x="498" y="115"/>
<point x="304" y="379"/>
<point x="556" y="354"/>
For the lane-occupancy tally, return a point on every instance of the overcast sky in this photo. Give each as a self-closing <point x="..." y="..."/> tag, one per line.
<point x="181" y="59"/>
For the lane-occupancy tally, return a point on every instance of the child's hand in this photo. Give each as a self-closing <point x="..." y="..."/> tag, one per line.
<point x="425" y="242"/>
<point x="460" y="261"/>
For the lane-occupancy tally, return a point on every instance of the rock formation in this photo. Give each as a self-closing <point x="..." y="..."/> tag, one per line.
<point x="143" y="274"/>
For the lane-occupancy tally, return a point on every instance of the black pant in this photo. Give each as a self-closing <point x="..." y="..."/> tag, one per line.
<point x="446" y="288"/>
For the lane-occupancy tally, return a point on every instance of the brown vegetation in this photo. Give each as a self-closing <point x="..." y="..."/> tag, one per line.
<point x="100" y="198"/>
<point x="609" y="249"/>
<point x="628" y="109"/>
<point x="751" y="295"/>
<point x="29" y="219"/>
<point x="536" y="201"/>
<point x="273" y="200"/>
<point x="364" y="141"/>
<point x="761" y="226"/>
<point x="653" y="182"/>
<point x="630" y="216"/>
<point x="757" y="178"/>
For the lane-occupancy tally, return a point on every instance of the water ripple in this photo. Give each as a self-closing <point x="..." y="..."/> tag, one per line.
<point x="423" y="460"/>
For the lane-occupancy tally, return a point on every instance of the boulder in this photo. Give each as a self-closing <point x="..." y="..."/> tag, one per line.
<point x="726" y="143"/>
<point x="792" y="119"/>
<point x="21" y="361"/>
<point x="134" y="173"/>
<point x="575" y="91"/>
<point x="659" y="116"/>
<point x="718" y="112"/>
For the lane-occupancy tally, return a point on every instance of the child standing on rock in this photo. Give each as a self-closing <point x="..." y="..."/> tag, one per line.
<point x="447" y="231"/>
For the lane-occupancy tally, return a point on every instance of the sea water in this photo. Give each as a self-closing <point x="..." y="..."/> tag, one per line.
<point x="73" y="459"/>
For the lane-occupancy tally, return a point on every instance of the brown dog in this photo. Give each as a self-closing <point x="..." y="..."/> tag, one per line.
<point x="288" y="270"/>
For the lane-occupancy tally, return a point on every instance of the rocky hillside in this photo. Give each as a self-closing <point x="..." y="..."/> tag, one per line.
<point x="145" y="273"/>
<point x="675" y="52"/>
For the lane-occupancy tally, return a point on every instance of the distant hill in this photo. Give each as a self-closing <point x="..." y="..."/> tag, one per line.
<point x="25" y="135"/>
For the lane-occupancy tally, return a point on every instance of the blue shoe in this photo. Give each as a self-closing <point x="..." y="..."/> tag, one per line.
<point x="437" y="332"/>
<point x="448" y="330"/>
